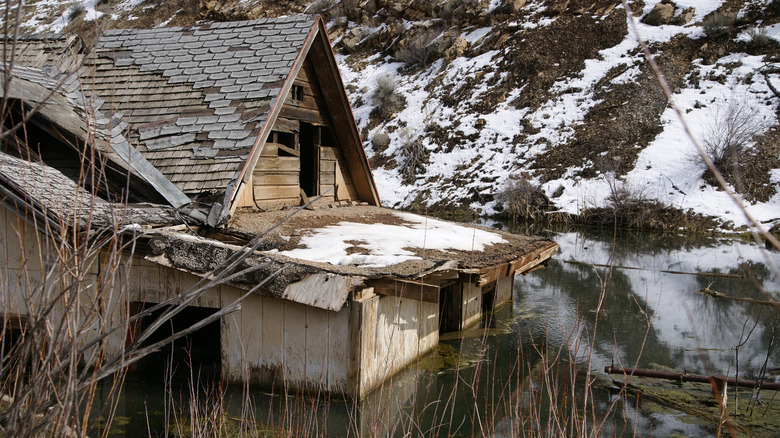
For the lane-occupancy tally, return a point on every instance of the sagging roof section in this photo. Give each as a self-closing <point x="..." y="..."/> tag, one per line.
<point x="56" y="97"/>
<point x="56" y="199"/>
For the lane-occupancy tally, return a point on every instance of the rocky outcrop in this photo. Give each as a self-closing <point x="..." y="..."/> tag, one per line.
<point x="667" y="12"/>
<point x="662" y="13"/>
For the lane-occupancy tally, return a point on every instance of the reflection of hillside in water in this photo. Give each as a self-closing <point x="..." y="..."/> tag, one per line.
<point x="686" y="326"/>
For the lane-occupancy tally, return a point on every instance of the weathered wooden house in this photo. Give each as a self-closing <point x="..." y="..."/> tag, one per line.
<point x="196" y="142"/>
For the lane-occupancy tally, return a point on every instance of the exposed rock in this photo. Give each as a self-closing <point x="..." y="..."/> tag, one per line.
<point x="457" y="49"/>
<point x="683" y="17"/>
<point x="662" y="13"/>
<point x="514" y="5"/>
<point x="352" y="38"/>
<point x="556" y="9"/>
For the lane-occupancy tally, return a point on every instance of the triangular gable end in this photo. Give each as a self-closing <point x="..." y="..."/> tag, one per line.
<point x="310" y="144"/>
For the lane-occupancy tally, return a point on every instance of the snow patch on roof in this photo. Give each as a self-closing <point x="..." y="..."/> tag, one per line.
<point x="388" y="244"/>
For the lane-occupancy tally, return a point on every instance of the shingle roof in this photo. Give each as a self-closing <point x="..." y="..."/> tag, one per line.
<point x="86" y="119"/>
<point x="196" y="98"/>
<point x="29" y="184"/>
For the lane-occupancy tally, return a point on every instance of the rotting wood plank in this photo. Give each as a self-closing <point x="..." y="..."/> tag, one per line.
<point x="342" y="120"/>
<point x="338" y="355"/>
<point x="275" y="179"/>
<point x="279" y="163"/>
<point x="276" y="192"/>
<point x="414" y="290"/>
<point x="275" y="203"/>
<point x="440" y="278"/>
<point x="355" y="347"/>
<point x="327" y="166"/>
<point x="328" y="153"/>
<point x="521" y="265"/>
<point x="317" y="334"/>
<point x="307" y="115"/>
<point x="308" y="103"/>
<point x="324" y="290"/>
<point x="327" y="179"/>
<point x="288" y="150"/>
<point x="269" y="150"/>
<point x="286" y="125"/>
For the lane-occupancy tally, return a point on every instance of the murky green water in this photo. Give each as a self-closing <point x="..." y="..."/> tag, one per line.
<point x="486" y="380"/>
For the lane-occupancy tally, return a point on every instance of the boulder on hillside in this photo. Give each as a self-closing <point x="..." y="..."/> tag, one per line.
<point x="683" y="17"/>
<point x="511" y="6"/>
<point x="662" y="13"/>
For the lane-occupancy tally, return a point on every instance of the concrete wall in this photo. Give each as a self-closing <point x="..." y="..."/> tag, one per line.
<point x="393" y="333"/>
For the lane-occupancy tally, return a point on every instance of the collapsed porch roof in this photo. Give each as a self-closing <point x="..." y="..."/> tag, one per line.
<point x="329" y="252"/>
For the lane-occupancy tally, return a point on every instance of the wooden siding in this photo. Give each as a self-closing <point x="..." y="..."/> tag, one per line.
<point x="393" y="333"/>
<point x="276" y="178"/>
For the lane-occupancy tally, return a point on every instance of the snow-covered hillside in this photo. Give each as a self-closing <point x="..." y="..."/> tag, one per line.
<point x="554" y="93"/>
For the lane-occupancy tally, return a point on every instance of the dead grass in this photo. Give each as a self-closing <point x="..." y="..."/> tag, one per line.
<point x="521" y="200"/>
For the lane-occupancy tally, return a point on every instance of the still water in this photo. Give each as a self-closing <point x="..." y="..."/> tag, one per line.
<point x="488" y="380"/>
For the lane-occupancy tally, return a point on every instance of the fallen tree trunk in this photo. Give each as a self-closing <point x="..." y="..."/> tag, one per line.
<point x="685" y="377"/>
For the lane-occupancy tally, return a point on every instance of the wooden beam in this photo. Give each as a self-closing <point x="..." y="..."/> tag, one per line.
<point x="441" y="277"/>
<point x="413" y="290"/>
<point x="521" y="265"/>
<point x="289" y="150"/>
<point x="530" y="260"/>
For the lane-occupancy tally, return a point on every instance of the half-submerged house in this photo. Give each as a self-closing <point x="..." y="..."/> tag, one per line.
<point x="202" y="143"/>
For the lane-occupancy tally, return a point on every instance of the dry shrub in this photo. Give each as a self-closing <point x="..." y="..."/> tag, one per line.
<point x="380" y="141"/>
<point x="759" y="38"/>
<point x="414" y="153"/>
<point x="727" y="138"/>
<point x="717" y="24"/>
<point x="319" y="7"/>
<point x="387" y="100"/>
<point x="418" y="49"/>
<point x="523" y="200"/>
<point x="629" y="206"/>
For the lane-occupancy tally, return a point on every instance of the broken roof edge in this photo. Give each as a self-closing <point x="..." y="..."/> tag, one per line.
<point x="49" y="99"/>
<point x="318" y="284"/>
<point x="285" y="279"/>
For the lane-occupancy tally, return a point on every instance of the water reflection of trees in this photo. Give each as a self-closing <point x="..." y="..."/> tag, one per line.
<point x="712" y="328"/>
<point x="622" y="323"/>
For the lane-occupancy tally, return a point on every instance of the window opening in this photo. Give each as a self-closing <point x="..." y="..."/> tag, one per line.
<point x="297" y="92"/>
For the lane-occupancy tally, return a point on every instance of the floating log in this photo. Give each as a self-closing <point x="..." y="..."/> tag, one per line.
<point x="716" y="294"/>
<point x="666" y="271"/>
<point x="685" y="377"/>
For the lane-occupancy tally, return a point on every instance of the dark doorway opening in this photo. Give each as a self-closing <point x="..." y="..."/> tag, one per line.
<point x="309" y="176"/>
<point x="200" y="350"/>
<point x="450" y="308"/>
<point x="488" y="304"/>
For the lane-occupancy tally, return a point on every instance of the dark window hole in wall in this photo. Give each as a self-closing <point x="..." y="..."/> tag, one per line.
<point x="200" y="349"/>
